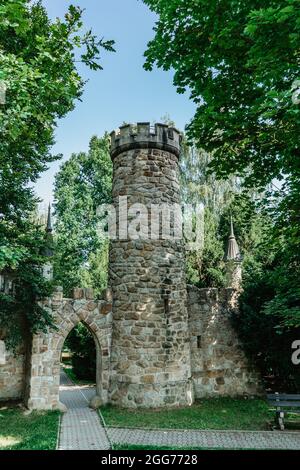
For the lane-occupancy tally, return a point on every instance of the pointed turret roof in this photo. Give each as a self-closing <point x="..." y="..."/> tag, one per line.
<point x="49" y="221"/>
<point x="49" y="237"/>
<point x="233" y="251"/>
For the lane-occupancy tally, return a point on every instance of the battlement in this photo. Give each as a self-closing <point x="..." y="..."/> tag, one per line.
<point x="143" y="135"/>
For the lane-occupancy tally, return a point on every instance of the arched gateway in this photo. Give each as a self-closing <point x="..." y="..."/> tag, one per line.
<point x="44" y="369"/>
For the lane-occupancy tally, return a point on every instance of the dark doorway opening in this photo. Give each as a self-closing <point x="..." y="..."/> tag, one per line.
<point x="79" y="355"/>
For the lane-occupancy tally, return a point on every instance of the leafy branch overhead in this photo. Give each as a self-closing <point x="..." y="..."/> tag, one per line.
<point x="239" y="59"/>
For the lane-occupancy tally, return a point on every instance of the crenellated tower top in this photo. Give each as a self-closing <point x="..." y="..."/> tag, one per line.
<point x="143" y="135"/>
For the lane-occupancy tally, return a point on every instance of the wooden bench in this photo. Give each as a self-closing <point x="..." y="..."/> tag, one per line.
<point x="281" y="401"/>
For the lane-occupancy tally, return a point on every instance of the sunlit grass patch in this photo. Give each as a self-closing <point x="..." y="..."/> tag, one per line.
<point x="8" y="441"/>
<point x="22" y="431"/>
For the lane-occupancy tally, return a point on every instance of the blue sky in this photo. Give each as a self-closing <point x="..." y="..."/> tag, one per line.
<point x="123" y="91"/>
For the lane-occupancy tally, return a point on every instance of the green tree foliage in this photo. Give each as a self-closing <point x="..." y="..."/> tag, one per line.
<point x="19" y="310"/>
<point x="83" y="183"/>
<point x="240" y="61"/>
<point x="205" y="265"/>
<point x="38" y="70"/>
<point x="268" y="322"/>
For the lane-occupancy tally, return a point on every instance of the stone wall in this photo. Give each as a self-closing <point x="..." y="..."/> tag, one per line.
<point x="12" y="373"/>
<point x="219" y="365"/>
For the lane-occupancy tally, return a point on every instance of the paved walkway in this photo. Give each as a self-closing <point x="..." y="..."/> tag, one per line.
<point x="81" y="428"/>
<point x="207" y="439"/>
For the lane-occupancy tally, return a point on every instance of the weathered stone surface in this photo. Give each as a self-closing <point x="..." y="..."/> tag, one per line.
<point x="61" y="407"/>
<point x="96" y="402"/>
<point x="12" y="373"/>
<point x="219" y="366"/>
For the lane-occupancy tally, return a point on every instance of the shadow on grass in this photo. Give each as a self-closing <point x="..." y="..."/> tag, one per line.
<point x="34" y="431"/>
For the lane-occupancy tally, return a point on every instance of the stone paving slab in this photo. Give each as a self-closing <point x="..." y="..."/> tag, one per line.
<point x="207" y="439"/>
<point x="81" y="428"/>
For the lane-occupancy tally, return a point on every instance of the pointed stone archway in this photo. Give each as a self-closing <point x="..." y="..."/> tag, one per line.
<point x="44" y="368"/>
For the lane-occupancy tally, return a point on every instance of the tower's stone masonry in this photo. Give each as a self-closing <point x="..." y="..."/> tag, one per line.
<point x="150" y="358"/>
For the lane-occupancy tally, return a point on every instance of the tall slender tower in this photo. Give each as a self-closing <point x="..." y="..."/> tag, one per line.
<point x="150" y="358"/>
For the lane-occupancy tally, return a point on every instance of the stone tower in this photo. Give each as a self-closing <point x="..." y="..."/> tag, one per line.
<point x="150" y="356"/>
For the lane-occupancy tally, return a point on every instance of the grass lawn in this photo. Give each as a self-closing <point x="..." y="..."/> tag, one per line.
<point x="215" y="413"/>
<point x="35" y="431"/>
<point x="134" y="447"/>
<point x="138" y="447"/>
